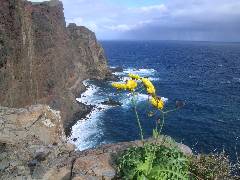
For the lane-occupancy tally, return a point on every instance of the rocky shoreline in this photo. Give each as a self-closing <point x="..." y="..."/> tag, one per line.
<point x="33" y="145"/>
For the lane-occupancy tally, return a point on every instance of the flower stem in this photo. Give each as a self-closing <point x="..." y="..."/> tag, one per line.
<point x="163" y="121"/>
<point x="137" y="116"/>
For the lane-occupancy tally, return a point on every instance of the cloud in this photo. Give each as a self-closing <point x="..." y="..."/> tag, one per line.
<point x="215" y="20"/>
<point x="152" y="8"/>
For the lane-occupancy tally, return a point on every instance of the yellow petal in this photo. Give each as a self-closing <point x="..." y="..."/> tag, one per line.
<point x="119" y="85"/>
<point x="131" y="85"/>
<point x="157" y="102"/>
<point x="134" y="76"/>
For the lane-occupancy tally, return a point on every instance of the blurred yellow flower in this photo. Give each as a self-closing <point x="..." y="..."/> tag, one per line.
<point x="149" y="86"/>
<point x="131" y="85"/>
<point x="134" y="76"/>
<point x="157" y="102"/>
<point x="119" y="85"/>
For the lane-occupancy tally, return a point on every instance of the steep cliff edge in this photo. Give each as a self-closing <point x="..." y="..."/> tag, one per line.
<point x="42" y="60"/>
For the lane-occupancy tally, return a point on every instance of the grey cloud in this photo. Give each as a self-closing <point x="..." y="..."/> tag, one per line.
<point x="215" y="20"/>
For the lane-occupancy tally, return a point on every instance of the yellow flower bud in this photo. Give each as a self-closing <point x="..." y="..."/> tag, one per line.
<point x="149" y="86"/>
<point x="157" y="102"/>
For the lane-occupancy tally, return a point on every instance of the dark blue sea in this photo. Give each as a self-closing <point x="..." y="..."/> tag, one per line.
<point x="206" y="75"/>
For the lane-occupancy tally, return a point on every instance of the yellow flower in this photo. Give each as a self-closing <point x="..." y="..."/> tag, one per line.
<point x="134" y="76"/>
<point x="151" y="90"/>
<point x="157" y="102"/>
<point x="131" y="85"/>
<point x="119" y="85"/>
<point x="149" y="86"/>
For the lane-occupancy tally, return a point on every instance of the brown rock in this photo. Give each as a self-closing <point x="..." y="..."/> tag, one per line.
<point x="44" y="62"/>
<point x="63" y="173"/>
<point x="95" y="165"/>
<point x="26" y="138"/>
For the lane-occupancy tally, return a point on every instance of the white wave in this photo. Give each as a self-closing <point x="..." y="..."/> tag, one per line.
<point x="141" y="72"/>
<point x="87" y="129"/>
<point x="153" y="79"/>
<point x="164" y="99"/>
<point x="236" y="79"/>
<point x="127" y="99"/>
<point x="118" y="73"/>
<point x="88" y="97"/>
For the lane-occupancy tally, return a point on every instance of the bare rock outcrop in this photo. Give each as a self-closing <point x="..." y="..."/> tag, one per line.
<point x="33" y="146"/>
<point x="42" y="60"/>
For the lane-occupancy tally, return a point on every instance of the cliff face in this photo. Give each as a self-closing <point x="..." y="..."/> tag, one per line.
<point x="42" y="60"/>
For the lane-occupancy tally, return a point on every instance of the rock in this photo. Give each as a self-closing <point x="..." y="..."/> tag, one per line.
<point x="33" y="163"/>
<point x="43" y="61"/>
<point x="187" y="150"/>
<point x="4" y="164"/>
<point x="41" y="156"/>
<point x="27" y="150"/>
<point x="94" y="165"/>
<point x="112" y="102"/>
<point x="117" y="69"/>
<point x="70" y="147"/>
<point x="26" y="143"/>
<point x="58" y="174"/>
<point x="38" y="123"/>
<point x="87" y="178"/>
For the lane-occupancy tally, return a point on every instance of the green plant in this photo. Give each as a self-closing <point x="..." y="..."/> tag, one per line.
<point x="155" y="162"/>
<point x="151" y="161"/>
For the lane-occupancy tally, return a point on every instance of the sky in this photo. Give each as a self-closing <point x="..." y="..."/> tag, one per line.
<point x="194" y="20"/>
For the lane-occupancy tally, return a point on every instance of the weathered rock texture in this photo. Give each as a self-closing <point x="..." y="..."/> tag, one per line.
<point x="33" y="146"/>
<point x="42" y="60"/>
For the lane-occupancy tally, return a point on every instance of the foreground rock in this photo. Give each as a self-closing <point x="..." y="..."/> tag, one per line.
<point x="33" y="146"/>
<point x="99" y="163"/>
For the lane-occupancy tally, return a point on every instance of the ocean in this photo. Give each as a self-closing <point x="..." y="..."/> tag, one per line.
<point x="206" y="75"/>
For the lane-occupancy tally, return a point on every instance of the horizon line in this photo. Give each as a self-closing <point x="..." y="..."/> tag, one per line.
<point x="169" y="40"/>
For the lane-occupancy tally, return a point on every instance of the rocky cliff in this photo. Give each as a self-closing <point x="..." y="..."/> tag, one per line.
<point x="42" y="60"/>
<point x="33" y="146"/>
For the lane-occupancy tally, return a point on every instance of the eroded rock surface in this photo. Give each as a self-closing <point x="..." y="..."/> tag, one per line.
<point x="42" y="60"/>
<point x="32" y="142"/>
